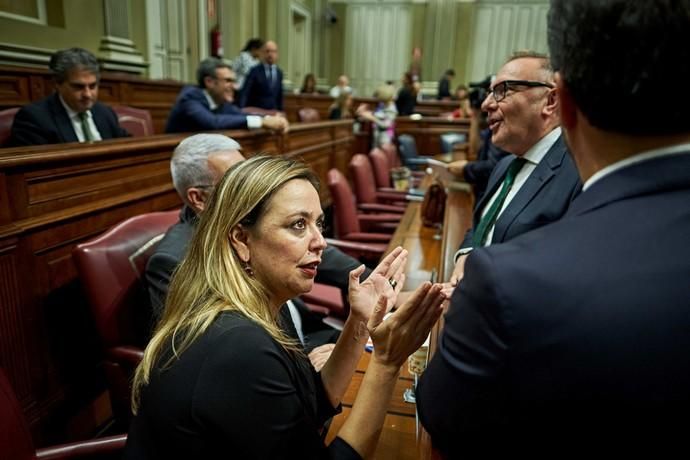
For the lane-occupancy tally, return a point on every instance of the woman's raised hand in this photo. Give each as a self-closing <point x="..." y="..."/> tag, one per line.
<point x="405" y="330"/>
<point x="385" y="281"/>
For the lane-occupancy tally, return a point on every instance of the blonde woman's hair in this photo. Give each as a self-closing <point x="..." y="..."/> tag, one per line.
<point x="211" y="278"/>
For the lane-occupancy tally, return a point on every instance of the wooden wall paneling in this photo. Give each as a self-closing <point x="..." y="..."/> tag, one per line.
<point x="427" y="131"/>
<point x="14" y="92"/>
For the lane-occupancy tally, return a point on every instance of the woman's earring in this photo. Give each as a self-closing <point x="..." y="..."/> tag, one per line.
<point x="248" y="269"/>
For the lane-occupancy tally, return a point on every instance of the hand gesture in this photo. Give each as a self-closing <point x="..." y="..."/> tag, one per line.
<point x="458" y="271"/>
<point x="405" y="330"/>
<point x="385" y="281"/>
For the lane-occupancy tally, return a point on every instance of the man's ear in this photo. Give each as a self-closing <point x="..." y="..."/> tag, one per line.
<point x="196" y="199"/>
<point x="208" y="81"/>
<point x="568" y="109"/>
<point x="239" y="239"/>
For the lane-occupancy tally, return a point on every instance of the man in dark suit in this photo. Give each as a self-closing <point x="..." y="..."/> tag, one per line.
<point x="536" y="184"/>
<point x="72" y="113"/>
<point x="197" y="164"/>
<point x="263" y="86"/>
<point x="576" y="335"/>
<point x="209" y="106"/>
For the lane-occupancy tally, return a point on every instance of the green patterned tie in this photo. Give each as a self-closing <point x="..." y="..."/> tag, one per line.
<point x="88" y="135"/>
<point x="485" y="224"/>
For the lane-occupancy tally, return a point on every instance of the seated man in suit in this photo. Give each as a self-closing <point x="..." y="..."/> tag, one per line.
<point x="263" y="87"/>
<point x="197" y="164"/>
<point x="72" y="113"/>
<point x="535" y="185"/>
<point x="573" y="339"/>
<point x="209" y="106"/>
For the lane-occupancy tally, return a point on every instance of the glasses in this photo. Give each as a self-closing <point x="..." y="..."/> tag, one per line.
<point x="226" y="80"/>
<point x="500" y="90"/>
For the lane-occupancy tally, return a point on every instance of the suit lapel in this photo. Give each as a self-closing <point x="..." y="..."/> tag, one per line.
<point x="541" y="175"/>
<point x="495" y="180"/>
<point x="99" y="119"/>
<point x="62" y="121"/>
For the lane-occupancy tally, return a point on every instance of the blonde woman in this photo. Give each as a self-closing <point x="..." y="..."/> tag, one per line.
<point x="220" y="378"/>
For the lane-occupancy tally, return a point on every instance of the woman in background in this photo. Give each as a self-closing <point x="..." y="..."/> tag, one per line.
<point x="248" y="58"/>
<point x="309" y="84"/>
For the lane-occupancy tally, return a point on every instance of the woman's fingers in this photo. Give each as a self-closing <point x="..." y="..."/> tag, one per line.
<point x="354" y="277"/>
<point x="376" y="317"/>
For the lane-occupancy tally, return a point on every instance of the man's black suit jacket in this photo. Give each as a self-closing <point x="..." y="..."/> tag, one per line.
<point x="259" y="92"/>
<point x="544" y="197"/>
<point x="576" y="332"/>
<point x="46" y="122"/>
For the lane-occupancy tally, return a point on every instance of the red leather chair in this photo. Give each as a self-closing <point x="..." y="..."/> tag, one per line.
<point x="351" y="225"/>
<point x="137" y="122"/>
<point x="369" y="198"/>
<point x="111" y="268"/>
<point x="381" y="166"/>
<point x="308" y="114"/>
<point x="6" y="120"/>
<point x="16" y="442"/>
<point x="391" y="152"/>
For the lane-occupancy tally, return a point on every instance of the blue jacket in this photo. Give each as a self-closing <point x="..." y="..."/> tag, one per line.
<point x="259" y="92"/>
<point x="192" y="112"/>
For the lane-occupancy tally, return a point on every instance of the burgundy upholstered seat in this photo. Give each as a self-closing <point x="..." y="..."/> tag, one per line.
<point x="6" y="120"/>
<point x="137" y="122"/>
<point x="111" y="268"/>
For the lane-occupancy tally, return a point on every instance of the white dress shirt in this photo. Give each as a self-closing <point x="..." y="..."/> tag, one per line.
<point x="76" y="123"/>
<point x="533" y="156"/>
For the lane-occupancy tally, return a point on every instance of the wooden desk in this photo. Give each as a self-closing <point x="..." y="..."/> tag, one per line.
<point x="428" y="250"/>
<point x="427" y="133"/>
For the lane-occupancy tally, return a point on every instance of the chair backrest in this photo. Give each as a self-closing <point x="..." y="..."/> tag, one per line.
<point x="391" y="152"/>
<point x="381" y="166"/>
<point x="6" y="120"/>
<point x="111" y="268"/>
<point x="307" y="114"/>
<point x="408" y="148"/>
<point x="137" y="122"/>
<point x="363" y="179"/>
<point x="15" y="437"/>
<point x="344" y="204"/>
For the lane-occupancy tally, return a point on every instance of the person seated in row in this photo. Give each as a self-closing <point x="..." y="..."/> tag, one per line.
<point x="309" y="85"/>
<point x="196" y="166"/>
<point x="383" y="117"/>
<point x="444" y="85"/>
<point x="341" y="107"/>
<point x="220" y="377"/>
<point x="263" y="87"/>
<point x="464" y="110"/>
<point x="407" y="95"/>
<point x="341" y="86"/>
<point x="72" y="113"/>
<point x="210" y="105"/>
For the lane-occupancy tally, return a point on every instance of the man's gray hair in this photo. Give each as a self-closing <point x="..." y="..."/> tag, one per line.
<point x="189" y="163"/>
<point x="64" y="61"/>
<point x="207" y="68"/>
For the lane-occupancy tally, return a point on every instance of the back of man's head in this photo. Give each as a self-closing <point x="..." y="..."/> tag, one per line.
<point x="624" y="62"/>
<point x="189" y="165"/>
<point x="207" y="68"/>
<point x="64" y="61"/>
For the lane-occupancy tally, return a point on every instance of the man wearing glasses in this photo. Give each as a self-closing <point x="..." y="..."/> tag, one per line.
<point x="210" y="105"/>
<point x="535" y="185"/>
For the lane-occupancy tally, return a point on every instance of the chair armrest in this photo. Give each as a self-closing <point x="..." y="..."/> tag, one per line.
<point x="126" y="354"/>
<point x="83" y="448"/>
<point x="377" y="207"/>
<point x="348" y="247"/>
<point x="366" y="237"/>
<point x="378" y="218"/>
